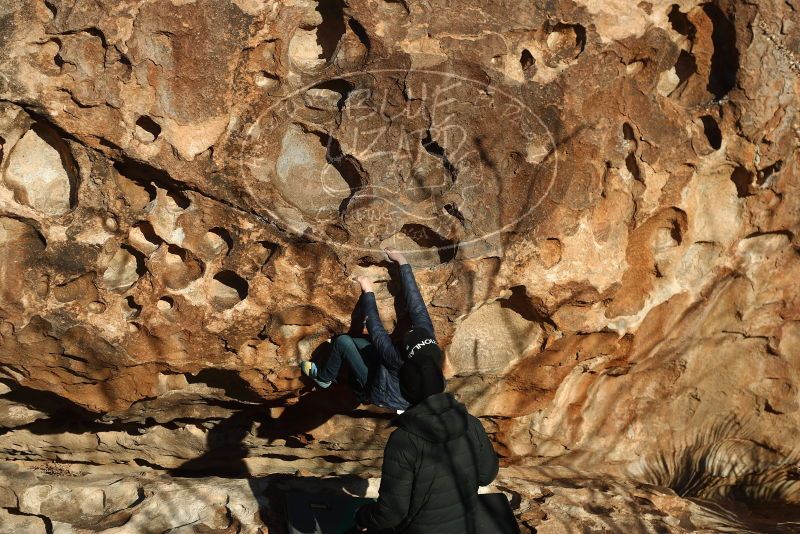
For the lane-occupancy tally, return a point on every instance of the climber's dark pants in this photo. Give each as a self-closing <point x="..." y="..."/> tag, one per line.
<point x="359" y="354"/>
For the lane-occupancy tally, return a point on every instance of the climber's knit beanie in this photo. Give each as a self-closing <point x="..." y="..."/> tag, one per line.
<point x="420" y="377"/>
<point x="419" y="342"/>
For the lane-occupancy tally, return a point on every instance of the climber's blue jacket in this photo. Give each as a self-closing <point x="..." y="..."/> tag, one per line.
<point x="384" y="389"/>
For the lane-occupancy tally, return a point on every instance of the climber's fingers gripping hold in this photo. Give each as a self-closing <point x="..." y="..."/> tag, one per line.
<point x="396" y="256"/>
<point x="365" y="283"/>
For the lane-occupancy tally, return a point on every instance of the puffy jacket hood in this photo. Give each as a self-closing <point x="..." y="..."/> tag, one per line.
<point x="438" y="418"/>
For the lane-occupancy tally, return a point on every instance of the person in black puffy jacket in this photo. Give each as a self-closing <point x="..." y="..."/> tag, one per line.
<point x="433" y="463"/>
<point x="375" y="362"/>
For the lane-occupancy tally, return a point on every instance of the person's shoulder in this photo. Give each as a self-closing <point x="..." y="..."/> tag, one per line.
<point x="400" y="438"/>
<point x="401" y="442"/>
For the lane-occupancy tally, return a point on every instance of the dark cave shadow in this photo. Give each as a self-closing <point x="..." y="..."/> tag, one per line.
<point x="225" y="458"/>
<point x="227" y="451"/>
<point x="275" y="489"/>
<point x="309" y="412"/>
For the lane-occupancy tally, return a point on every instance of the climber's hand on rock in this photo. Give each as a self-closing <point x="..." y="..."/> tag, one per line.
<point x="396" y="256"/>
<point x="365" y="283"/>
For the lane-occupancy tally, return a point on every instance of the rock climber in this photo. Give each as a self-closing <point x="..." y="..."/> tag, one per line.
<point x="375" y="362"/>
<point x="433" y="463"/>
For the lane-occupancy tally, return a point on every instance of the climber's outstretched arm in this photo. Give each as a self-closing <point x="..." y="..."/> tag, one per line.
<point x="377" y="333"/>
<point x="417" y="312"/>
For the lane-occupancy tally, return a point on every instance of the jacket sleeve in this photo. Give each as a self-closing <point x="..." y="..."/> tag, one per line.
<point x="378" y="334"/>
<point x="397" y="481"/>
<point x="417" y="311"/>
<point x="485" y="457"/>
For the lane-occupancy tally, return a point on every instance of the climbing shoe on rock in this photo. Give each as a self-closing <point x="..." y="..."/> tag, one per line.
<point x="310" y="369"/>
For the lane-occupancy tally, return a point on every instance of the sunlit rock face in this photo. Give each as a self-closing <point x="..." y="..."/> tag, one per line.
<point x="37" y="175"/>
<point x="600" y="199"/>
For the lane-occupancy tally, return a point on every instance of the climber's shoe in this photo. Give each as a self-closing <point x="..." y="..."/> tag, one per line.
<point x="310" y="370"/>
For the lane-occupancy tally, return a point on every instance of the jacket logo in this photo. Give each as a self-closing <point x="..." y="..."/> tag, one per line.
<point x="422" y="343"/>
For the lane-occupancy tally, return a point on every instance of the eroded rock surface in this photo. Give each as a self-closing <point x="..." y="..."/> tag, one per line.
<point x="600" y="198"/>
<point x="37" y="175"/>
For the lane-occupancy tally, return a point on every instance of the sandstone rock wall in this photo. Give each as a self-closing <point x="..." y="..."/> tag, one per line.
<point x="600" y="199"/>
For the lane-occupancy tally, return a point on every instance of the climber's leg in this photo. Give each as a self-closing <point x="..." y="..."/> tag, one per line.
<point x="369" y="359"/>
<point x="346" y="348"/>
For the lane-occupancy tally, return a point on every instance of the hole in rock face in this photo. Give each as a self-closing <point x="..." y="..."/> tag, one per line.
<point x="51" y="8"/>
<point x="219" y="240"/>
<point x="124" y="269"/>
<point x="725" y="59"/>
<point x="427" y="238"/>
<point x="675" y="230"/>
<point x="228" y="289"/>
<point x="743" y="179"/>
<point x="147" y="130"/>
<point x="313" y="175"/>
<point x="149" y="234"/>
<point x="368" y="261"/>
<point x="148" y="177"/>
<point x="766" y="173"/>
<point x="134" y="309"/>
<point x="580" y="36"/>
<point x="633" y="166"/>
<point x="630" y="160"/>
<point x="685" y="67"/>
<point x="137" y="195"/>
<point x="265" y="79"/>
<point x="146" y="232"/>
<point x="347" y="166"/>
<point x="435" y="149"/>
<point x="177" y="253"/>
<point x="522" y="304"/>
<point x="453" y="210"/>
<point x="343" y="87"/>
<point x="266" y="254"/>
<point x="165" y="304"/>
<point x="360" y="32"/>
<point x="123" y="64"/>
<point x="332" y="27"/>
<point x="627" y="132"/>
<point x="270" y="247"/>
<point x="712" y="131"/>
<point x="680" y="22"/>
<point x="57" y="59"/>
<point x="178" y="198"/>
<point x="97" y="32"/>
<point x="2" y="145"/>
<point x="140" y="267"/>
<point x="180" y="269"/>
<point x="636" y="66"/>
<point x="566" y="41"/>
<point x="527" y="61"/>
<point x="78" y="289"/>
